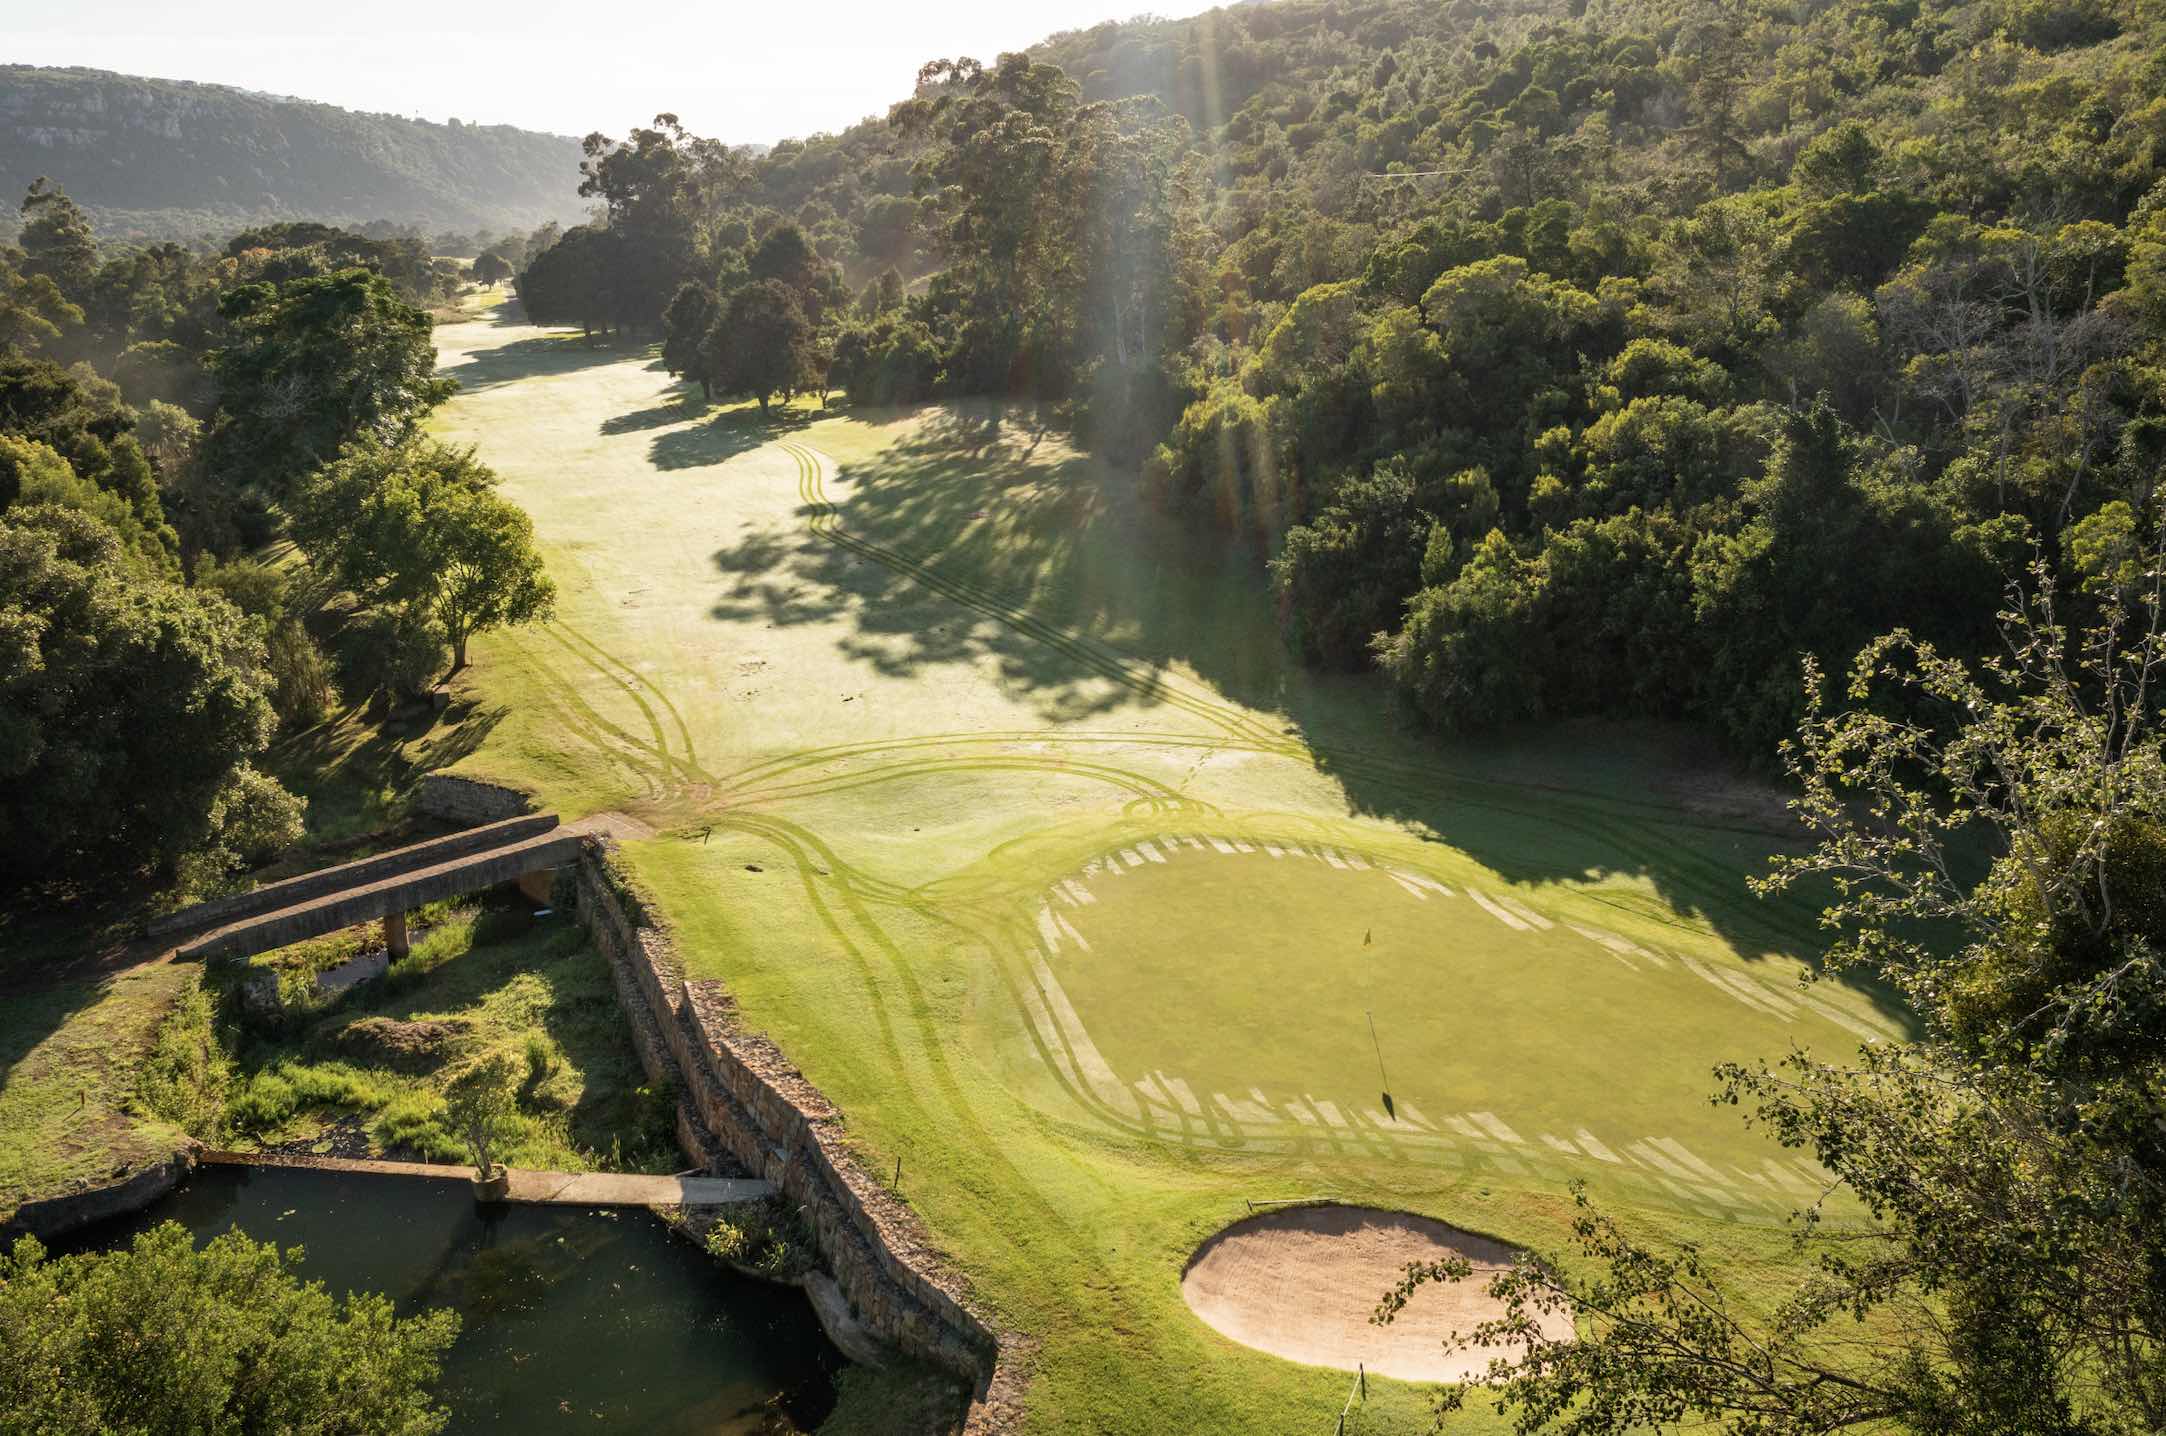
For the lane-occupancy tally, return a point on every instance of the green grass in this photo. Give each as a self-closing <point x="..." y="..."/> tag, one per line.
<point x="68" y="1107"/>
<point x="895" y="688"/>
<point x="490" y="981"/>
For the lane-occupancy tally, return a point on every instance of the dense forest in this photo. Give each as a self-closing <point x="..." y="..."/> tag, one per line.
<point x="170" y="159"/>
<point x="1557" y="360"/>
<point x="164" y="413"/>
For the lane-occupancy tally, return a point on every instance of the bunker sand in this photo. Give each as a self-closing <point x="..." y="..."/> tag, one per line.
<point x="1302" y="1283"/>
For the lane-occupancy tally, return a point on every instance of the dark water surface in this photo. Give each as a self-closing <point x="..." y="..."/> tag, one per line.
<point x="573" y="1318"/>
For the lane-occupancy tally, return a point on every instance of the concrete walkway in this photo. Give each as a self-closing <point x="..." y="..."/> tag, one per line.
<point x="393" y="884"/>
<point x="539" y="1189"/>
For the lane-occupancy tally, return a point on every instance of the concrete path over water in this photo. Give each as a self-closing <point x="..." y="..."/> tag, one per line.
<point x="564" y="1189"/>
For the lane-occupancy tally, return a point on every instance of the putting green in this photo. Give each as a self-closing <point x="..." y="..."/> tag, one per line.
<point x="996" y="802"/>
<point x="1236" y="993"/>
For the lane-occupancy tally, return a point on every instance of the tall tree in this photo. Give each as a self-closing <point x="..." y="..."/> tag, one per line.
<point x="314" y="364"/>
<point x="33" y="311"/>
<point x="415" y="525"/>
<point x="658" y="186"/>
<point x="763" y="344"/>
<point x="691" y="315"/>
<point x="57" y="241"/>
<point x="576" y="280"/>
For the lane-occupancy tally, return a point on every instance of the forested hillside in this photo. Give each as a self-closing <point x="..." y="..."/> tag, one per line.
<point x="159" y="159"/>
<point x="1557" y="358"/>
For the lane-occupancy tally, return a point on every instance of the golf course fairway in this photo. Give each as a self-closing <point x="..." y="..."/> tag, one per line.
<point x="997" y="804"/>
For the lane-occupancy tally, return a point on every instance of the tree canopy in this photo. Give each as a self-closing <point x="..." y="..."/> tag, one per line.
<point x="2009" y="1166"/>
<point x="160" y="1339"/>
<point x="312" y="365"/>
<point x="415" y="526"/>
<point x="130" y="708"/>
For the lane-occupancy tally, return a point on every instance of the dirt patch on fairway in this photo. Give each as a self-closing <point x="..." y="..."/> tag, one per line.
<point x="1302" y="1283"/>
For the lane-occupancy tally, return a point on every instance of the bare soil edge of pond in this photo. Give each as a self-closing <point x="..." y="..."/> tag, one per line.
<point x="1302" y="1282"/>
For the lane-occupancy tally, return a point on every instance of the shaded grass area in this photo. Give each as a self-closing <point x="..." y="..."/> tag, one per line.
<point x="68" y="1061"/>
<point x="364" y="1073"/>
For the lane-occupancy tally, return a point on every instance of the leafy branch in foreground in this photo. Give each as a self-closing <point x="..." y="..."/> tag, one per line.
<point x="1996" y="842"/>
<point x="163" y="1337"/>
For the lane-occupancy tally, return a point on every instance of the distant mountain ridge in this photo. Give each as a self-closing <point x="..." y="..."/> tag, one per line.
<point x="154" y="158"/>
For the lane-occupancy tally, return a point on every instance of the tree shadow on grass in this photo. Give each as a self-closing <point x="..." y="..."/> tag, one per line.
<point x="990" y="498"/>
<point x="679" y="408"/>
<point x="551" y="352"/>
<point x="985" y="497"/>
<point x="733" y="431"/>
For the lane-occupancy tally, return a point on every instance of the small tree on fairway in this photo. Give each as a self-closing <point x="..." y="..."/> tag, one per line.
<point x="490" y="268"/>
<point x="479" y="1106"/>
<point x="488" y="574"/>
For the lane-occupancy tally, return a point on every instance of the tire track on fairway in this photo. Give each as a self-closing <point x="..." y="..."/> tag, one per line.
<point x="571" y="713"/>
<point x="633" y="678"/>
<point x="674" y="769"/>
<point x="931" y="1046"/>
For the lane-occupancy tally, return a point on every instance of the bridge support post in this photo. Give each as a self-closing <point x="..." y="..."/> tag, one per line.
<point x="395" y="935"/>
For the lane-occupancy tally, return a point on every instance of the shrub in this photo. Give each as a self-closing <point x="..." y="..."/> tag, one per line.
<point x="264" y="1104"/>
<point x="392" y="653"/>
<point x="541" y="1060"/>
<point x="186" y="1076"/>
<point x="766" y="1237"/>
<point x="300" y="678"/>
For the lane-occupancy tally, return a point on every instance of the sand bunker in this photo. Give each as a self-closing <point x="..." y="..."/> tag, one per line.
<point x="1302" y="1283"/>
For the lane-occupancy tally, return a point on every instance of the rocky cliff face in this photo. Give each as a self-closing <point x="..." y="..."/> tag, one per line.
<point x="167" y="157"/>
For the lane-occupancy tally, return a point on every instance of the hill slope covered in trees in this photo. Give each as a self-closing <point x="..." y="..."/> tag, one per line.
<point x="1559" y="358"/>
<point x="172" y="159"/>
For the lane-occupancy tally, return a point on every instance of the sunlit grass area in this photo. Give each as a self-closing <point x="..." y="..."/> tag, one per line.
<point x="997" y="803"/>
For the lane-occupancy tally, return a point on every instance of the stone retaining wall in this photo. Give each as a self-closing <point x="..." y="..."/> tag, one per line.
<point x="745" y="1103"/>
<point x="467" y="800"/>
<point x="52" y="1216"/>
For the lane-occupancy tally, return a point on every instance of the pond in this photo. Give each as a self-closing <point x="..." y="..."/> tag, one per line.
<point x="572" y="1317"/>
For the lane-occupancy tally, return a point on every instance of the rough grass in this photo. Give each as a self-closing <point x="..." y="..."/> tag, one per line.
<point x="68" y="1106"/>
<point x="493" y="982"/>
<point x="885" y="683"/>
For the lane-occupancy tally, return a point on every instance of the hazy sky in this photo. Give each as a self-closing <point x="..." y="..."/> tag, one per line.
<point x="738" y="71"/>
